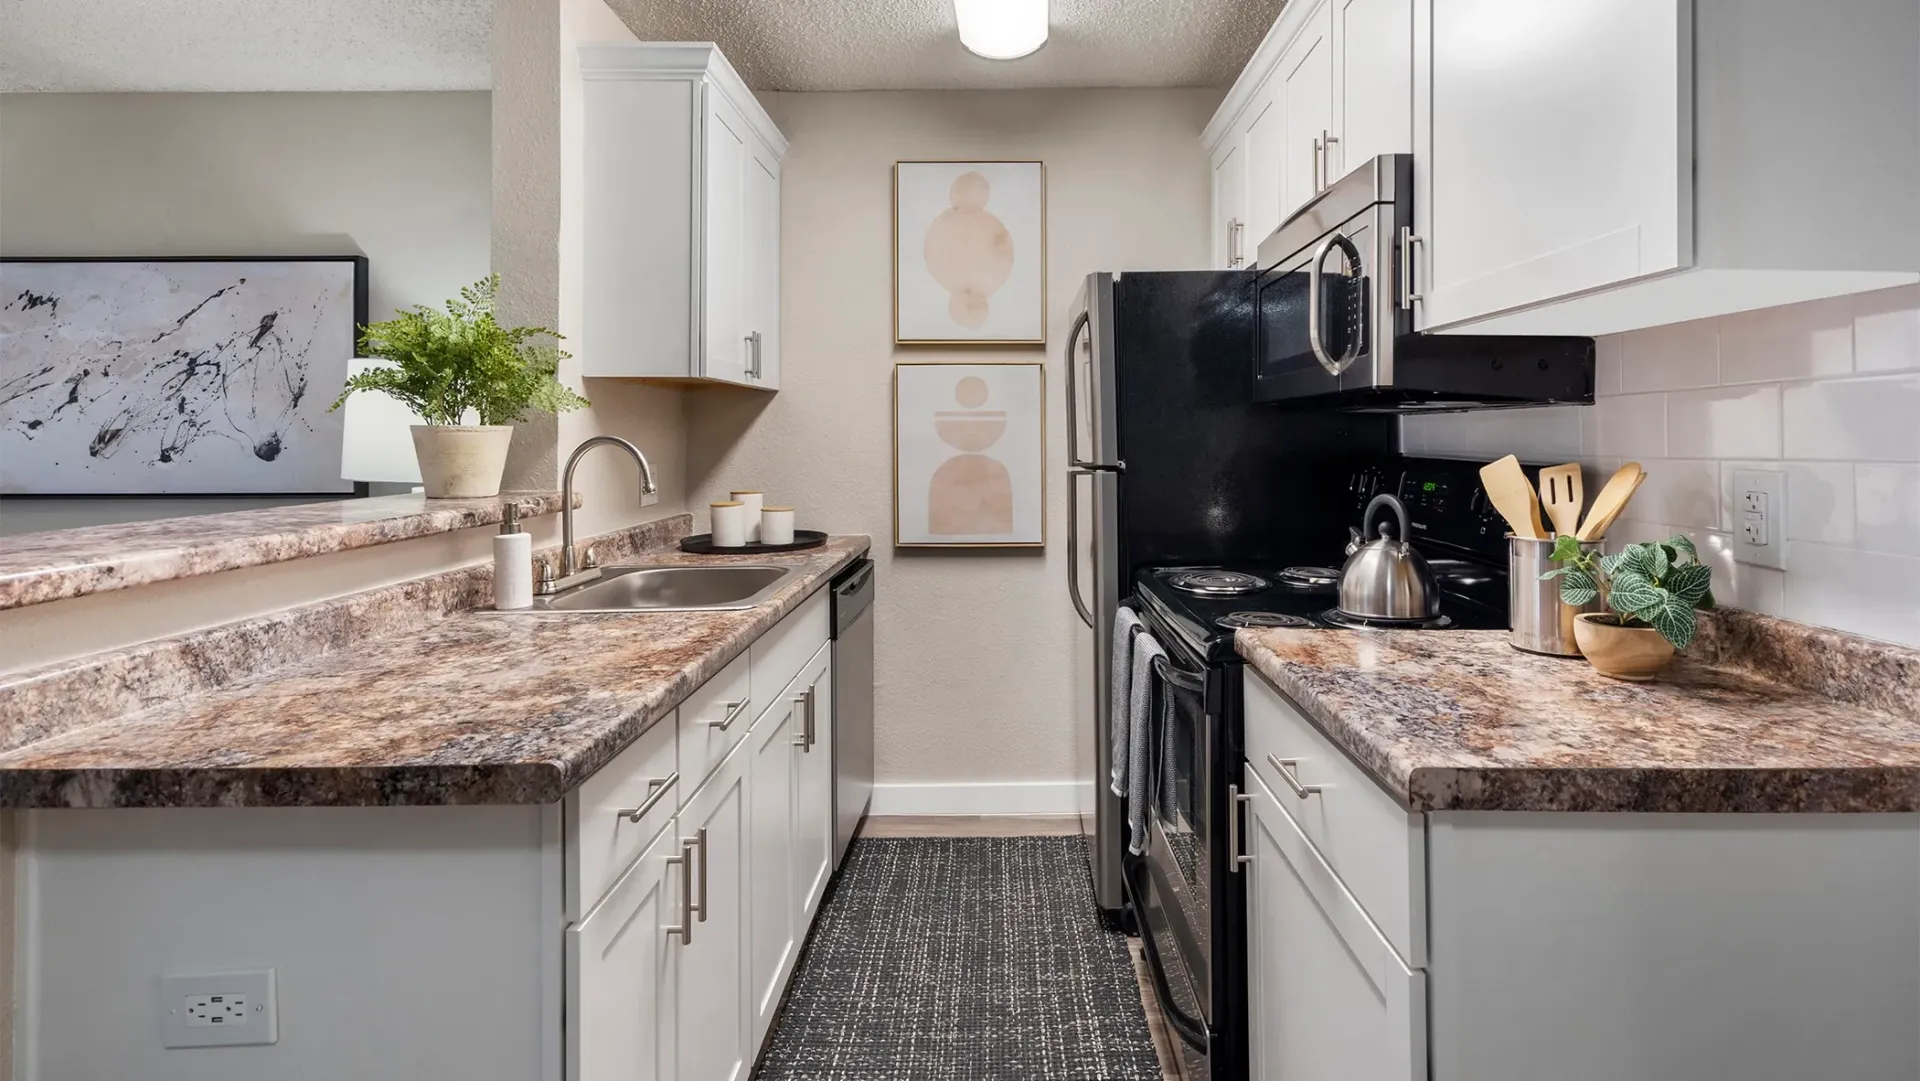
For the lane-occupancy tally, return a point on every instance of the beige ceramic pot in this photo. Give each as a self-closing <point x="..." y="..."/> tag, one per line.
<point x="462" y="461"/>
<point x="1636" y="652"/>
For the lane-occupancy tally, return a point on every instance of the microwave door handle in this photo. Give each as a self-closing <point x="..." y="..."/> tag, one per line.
<point x="1316" y="305"/>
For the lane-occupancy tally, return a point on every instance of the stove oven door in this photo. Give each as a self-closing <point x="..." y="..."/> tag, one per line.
<point x="1175" y="878"/>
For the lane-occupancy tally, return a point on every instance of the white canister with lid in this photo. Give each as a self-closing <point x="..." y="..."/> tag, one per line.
<point x="729" y="524"/>
<point x="776" y="525"/>
<point x="751" y="501"/>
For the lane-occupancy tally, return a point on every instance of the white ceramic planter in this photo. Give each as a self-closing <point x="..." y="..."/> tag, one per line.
<point x="462" y="461"/>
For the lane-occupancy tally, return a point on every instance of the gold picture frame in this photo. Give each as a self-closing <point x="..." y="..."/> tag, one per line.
<point x="969" y="425"/>
<point x="1039" y="337"/>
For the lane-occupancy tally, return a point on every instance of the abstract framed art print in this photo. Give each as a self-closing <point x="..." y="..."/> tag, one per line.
<point x="970" y="253"/>
<point x="968" y="469"/>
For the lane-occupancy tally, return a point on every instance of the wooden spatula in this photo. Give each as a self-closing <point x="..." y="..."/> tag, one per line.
<point x="1611" y="501"/>
<point x="1513" y="496"/>
<point x="1562" y="493"/>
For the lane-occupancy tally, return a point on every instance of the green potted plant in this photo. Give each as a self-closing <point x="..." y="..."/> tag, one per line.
<point x="449" y="366"/>
<point x="1650" y="592"/>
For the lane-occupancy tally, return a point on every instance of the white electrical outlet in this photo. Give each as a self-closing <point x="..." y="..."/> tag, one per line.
<point x="1760" y="517"/>
<point x="219" y="1009"/>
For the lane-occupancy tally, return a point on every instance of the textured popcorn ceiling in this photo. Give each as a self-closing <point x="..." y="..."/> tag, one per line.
<point x="156" y="45"/>
<point x="140" y="45"/>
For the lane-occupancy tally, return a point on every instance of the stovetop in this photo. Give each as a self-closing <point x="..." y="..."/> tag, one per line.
<point x="1204" y="605"/>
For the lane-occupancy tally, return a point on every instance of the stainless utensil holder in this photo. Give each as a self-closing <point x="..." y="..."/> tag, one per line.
<point x="1541" y="622"/>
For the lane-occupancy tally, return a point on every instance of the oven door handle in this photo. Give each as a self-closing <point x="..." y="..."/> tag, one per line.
<point x="1197" y="683"/>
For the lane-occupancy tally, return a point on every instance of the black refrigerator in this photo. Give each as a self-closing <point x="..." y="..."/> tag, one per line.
<point x="1172" y="462"/>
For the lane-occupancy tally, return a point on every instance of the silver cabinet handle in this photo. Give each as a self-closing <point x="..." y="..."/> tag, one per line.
<point x="1327" y="139"/>
<point x="1318" y="151"/>
<point x="1316" y="304"/>
<point x="1286" y="768"/>
<point x="1408" y="241"/>
<point x="685" y="928"/>
<point x="1235" y="858"/>
<point x="1235" y="230"/>
<point x="734" y="710"/>
<point x="657" y="789"/>
<point x="700" y="841"/>
<point x="813" y="716"/>
<point x="753" y="355"/>
<point x="806" y="703"/>
<point x="799" y="702"/>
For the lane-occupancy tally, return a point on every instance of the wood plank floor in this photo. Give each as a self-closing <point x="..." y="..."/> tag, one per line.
<point x="1034" y="826"/>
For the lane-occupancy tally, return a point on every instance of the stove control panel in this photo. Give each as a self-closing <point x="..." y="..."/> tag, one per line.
<point x="1444" y="499"/>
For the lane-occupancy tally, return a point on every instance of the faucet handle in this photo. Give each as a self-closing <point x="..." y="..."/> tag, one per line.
<point x="590" y="558"/>
<point x="543" y="575"/>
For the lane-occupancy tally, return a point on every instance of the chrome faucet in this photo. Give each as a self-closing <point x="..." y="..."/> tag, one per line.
<point x="570" y="571"/>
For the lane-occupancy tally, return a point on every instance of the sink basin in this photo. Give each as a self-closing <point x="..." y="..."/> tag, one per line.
<point x="668" y="589"/>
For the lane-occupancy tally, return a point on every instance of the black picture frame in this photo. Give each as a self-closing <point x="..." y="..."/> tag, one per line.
<point x="359" y="489"/>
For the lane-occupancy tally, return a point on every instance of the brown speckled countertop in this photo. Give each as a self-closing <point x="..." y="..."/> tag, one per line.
<point x="1459" y="720"/>
<point x="477" y="707"/>
<point x="62" y="563"/>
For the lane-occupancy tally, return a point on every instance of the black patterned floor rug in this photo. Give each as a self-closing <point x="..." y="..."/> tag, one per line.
<point x="962" y="958"/>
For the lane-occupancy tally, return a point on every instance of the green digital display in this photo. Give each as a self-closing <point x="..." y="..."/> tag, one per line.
<point x="1430" y="486"/>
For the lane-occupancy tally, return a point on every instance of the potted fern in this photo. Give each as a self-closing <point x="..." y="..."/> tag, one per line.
<point x="449" y="366"/>
<point x="1650" y="592"/>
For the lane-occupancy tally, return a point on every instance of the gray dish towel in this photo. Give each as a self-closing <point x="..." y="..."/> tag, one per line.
<point x="1120" y="684"/>
<point x="1139" y="731"/>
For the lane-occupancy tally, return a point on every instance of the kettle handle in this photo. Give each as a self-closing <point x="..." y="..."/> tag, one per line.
<point x="1399" y="509"/>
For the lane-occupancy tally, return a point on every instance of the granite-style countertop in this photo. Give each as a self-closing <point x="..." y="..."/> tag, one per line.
<point x="479" y="707"/>
<point x="1460" y="721"/>
<point x="62" y="563"/>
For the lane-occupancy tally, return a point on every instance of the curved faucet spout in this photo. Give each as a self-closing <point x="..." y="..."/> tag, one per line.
<point x="568" y="564"/>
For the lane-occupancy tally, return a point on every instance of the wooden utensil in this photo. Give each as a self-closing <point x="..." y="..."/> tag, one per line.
<point x="1513" y="496"/>
<point x="1562" y="493"/>
<point x="1611" y="501"/>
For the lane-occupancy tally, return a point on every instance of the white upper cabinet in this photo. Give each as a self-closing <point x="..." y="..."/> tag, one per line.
<point x="1306" y="101"/>
<point x="1372" y="83"/>
<point x="1593" y="166"/>
<point x="681" y="218"/>
<point x="1263" y="149"/>
<point x="1230" y="246"/>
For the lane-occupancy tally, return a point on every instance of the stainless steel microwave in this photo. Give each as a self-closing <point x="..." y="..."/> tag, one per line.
<point x="1333" y="302"/>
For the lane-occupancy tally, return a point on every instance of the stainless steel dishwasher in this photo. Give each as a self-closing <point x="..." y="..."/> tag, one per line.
<point x="852" y="702"/>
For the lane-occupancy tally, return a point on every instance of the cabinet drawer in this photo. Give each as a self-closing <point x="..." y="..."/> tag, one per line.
<point x="602" y="841"/>
<point x="1375" y="845"/>
<point x="780" y="653"/>
<point x="714" y="719"/>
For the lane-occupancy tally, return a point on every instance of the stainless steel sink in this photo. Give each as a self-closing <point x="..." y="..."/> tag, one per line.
<point x="668" y="589"/>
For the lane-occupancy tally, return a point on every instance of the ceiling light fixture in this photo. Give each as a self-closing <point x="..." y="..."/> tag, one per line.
<point x="1001" y="29"/>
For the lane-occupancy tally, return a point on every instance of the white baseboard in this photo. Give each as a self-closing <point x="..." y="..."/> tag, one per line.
<point x="984" y="798"/>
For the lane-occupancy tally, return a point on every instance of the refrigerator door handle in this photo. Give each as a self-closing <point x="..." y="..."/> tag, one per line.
<point x="1073" y="543"/>
<point x="1082" y="324"/>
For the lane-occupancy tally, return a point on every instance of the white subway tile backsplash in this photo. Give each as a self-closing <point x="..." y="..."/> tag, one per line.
<point x="1868" y="593"/>
<point x="1672" y="357"/>
<point x="1799" y="341"/>
<point x="1886" y="330"/>
<point x="1679" y="493"/>
<point x="1726" y="422"/>
<point x="1853" y="420"/>
<point x="1757" y="589"/>
<point x="1633" y="425"/>
<point x="1887" y="508"/>
<point x="1608" y="356"/>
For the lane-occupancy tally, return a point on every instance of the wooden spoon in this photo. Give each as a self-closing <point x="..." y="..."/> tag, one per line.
<point x="1611" y="501"/>
<point x="1513" y="496"/>
<point x="1563" y="492"/>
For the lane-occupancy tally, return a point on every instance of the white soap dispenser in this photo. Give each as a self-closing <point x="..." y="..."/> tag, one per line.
<point x="512" y="563"/>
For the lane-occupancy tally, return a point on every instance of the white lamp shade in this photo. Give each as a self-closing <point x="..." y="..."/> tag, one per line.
<point x="1001" y="29"/>
<point x="377" y="434"/>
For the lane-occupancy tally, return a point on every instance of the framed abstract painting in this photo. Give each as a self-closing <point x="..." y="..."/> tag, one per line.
<point x="970" y="253"/>
<point x="160" y="376"/>
<point x="968" y="455"/>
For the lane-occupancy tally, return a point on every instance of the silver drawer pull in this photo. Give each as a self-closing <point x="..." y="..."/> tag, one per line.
<point x="734" y="710"/>
<point x="657" y="789"/>
<point x="1286" y="767"/>
<point x="1235" y="858"/>
<point x="685" y="859"/>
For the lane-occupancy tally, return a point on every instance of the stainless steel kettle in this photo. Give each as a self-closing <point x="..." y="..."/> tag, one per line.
<point x="1385" y="578"/>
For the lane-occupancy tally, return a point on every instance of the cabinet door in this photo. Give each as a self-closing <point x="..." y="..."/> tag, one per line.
<point x="813" y="784"/>
<point x="624" y="968"/>
<point x="762" y="272"/>
<point x="1264" y="143"/>
<point x="1327" y="998"/>
<point x="1229" y="203"/>
<point x="724" y="349"/>
<point x="1552" y="149"/>
<point x="1373" y="99"/>
<point x="771" y="828"/>
<point x="1306" y="98"/>
<point x="714" y="1008"/>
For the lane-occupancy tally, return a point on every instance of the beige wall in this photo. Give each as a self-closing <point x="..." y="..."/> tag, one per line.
<point x="978" y="651"/>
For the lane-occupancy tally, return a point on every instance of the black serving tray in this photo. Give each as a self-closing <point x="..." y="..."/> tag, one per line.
<point x="702" y="544"/>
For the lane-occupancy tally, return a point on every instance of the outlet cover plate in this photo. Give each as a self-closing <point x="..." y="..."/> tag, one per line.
<point x="219" y="1009"/>
<point x="1760" y="511"/>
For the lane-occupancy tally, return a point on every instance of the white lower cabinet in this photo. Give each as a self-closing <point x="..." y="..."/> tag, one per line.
<point x="1327" y="998"/>
<point x="625" y="957"/>
<point x="770" y="831"/>
<point x="812" y="697"/>
<point x="713" y="1032"/>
